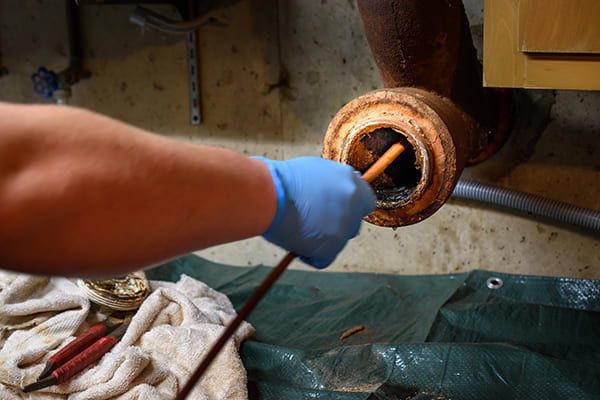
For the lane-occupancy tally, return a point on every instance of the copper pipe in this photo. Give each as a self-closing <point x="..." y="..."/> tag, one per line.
<point x="377" y="168"/>
<point x="255" y="297"/>
<point x="380" y="165"/>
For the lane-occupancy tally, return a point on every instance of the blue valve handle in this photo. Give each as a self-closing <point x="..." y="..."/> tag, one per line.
<point x="44" y="82"/>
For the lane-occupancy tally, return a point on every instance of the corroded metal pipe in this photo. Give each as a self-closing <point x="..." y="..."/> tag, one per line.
<point x="430" y="128"/>
<point x="434" y="104"/>
<point x="427" y="44"/>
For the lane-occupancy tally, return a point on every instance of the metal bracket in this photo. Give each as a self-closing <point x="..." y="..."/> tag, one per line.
<point x="194" y="83"/>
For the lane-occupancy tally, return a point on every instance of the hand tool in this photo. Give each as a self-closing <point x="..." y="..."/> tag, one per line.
<point x="85" y="340"/>
<point x="378" y="167"/>
<point x="82" y="357"/>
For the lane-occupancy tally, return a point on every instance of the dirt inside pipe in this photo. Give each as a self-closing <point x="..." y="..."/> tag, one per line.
<point x="400" y="180"/>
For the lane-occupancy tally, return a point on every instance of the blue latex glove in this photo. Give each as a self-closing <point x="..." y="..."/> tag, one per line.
<point x="320" y="206"/>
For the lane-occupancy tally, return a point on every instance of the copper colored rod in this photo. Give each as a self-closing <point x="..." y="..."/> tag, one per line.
<point x="378" y="167"/>
<point x="384" y="161"/>
<point x="241" y="316"/>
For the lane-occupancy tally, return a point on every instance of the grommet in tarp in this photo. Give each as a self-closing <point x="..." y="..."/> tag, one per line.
<point x="494" y="283"/>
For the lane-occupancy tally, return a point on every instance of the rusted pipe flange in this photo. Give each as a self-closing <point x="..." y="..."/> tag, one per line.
<point x="435" y="134"/>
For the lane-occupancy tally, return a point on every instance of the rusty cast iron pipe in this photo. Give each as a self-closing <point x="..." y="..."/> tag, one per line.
<point x="429" y="127"/>
<point x="434" y="104"/>
<point x="427" y="44"/>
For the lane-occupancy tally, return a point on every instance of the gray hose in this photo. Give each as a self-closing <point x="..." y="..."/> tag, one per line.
<point x="529" y="204"/>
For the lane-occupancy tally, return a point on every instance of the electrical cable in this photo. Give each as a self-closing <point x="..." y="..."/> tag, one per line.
<point x="143" y="16"/>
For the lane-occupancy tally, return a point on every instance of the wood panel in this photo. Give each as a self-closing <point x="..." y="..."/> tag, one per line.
<point x="505" y="65"/>
<point x="559" y="26"/>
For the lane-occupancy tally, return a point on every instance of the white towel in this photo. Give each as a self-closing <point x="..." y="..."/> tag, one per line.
<point x="166" y="339"/>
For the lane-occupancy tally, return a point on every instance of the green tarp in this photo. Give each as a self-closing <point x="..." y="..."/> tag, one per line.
<point x="424" y="337"/>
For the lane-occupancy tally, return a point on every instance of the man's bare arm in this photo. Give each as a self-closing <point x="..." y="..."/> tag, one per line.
<point x="84" y="194"/>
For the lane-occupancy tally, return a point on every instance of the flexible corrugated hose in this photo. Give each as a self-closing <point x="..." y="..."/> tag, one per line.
<point x="529" y="204"/>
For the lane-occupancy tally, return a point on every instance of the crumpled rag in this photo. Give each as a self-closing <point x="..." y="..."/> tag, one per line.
<point x="167" y="338"/>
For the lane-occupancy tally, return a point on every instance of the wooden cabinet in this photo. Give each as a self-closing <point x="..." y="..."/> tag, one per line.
<point x="550" y="44"/>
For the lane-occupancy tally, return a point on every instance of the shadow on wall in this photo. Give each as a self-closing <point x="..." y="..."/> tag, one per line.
<point x="530" y="117"/>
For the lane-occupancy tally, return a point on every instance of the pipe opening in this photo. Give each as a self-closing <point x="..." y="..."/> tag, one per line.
<point x="401" y="179"/>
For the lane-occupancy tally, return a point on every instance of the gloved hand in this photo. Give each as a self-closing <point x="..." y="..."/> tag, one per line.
<point x="320" y="206"/>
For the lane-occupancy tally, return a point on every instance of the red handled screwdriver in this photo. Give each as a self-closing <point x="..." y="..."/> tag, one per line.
<point x="85" y="340"/>
<point x="80" y="361"/>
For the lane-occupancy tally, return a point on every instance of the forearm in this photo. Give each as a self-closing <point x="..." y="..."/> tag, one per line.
<point x="80" y="193"/>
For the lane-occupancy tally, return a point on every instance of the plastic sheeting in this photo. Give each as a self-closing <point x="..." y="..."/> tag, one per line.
<point x="425" y="337"/>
